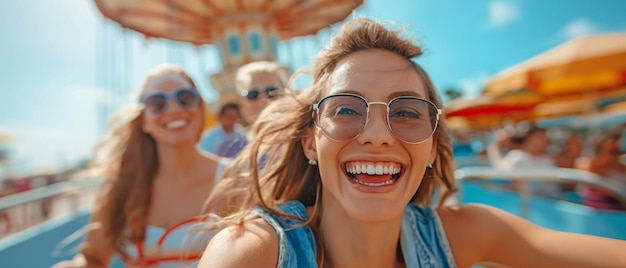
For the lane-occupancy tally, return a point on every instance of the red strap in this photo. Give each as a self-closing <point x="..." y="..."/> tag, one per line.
<point x="144" y="261"/>
<point x="173" y="227"/>
<point x="156" y="260"/>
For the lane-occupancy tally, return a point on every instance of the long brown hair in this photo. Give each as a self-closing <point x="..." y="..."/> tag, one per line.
<point x="273" y="168"/>
<point x="127" y="161"/>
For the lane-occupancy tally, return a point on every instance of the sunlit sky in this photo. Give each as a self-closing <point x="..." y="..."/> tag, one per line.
<point x="57" y="57"/>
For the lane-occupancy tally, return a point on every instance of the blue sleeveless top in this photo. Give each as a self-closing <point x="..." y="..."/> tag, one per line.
<point x="422" y="238"/>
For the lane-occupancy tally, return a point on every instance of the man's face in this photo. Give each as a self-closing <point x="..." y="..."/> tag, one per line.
<point x="229" y="118"/>
<point x="257" y="99"/>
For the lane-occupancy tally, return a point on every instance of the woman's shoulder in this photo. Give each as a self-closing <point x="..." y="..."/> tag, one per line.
<point x="485" y="229"/>
<point x="474" y="215"/>
<point x="251" y="244"/>
<point x="462" y="211"/>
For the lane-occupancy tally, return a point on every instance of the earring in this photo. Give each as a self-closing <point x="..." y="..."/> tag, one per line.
<point x="430" y="165"/>
<point x="312" y="162"/>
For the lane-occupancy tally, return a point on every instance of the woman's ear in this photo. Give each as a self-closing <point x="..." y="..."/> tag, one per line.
<point x="308" y="144"/>
<point x="433" y="152"/>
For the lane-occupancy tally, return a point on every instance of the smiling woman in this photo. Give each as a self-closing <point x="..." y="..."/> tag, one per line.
<point x="353" y="167"/>
<point x="155" y="178"/>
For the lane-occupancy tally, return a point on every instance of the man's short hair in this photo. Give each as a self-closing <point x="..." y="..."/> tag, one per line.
<point x="244" y="72"/>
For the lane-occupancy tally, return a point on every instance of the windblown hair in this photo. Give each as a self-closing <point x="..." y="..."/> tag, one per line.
<point x="273" y="168"/>
<point x="127" y="161"/>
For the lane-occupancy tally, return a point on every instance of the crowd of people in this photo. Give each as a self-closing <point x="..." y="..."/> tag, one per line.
<point x="527" y="146"/>
<point x="351" y="172"/>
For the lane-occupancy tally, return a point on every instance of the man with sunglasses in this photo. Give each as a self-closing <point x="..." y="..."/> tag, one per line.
<point x="258" y="83"/>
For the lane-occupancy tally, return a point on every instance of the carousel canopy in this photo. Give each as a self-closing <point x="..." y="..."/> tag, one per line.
<point x="243" y="31"/>
<point x="199" y="21"/>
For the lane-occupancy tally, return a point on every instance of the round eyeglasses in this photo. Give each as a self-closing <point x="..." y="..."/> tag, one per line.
<point x="157" y="103"/>
<point x="343" y="117"/>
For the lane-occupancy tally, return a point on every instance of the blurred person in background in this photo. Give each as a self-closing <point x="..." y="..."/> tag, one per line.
<point x="606" y="163"/>
<point x="572" y="149"/>
<point x="257" y="83"/>
<point x="156" y="179"/>
<point x="530" y="143"/>
<point x="226" y="130"/>
<point x="569" y="157"/>
<point x="527" y="148"/>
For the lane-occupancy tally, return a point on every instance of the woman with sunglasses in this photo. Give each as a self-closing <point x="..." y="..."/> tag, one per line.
<point x="365" y="154"/>
<point x="155" y="179"/>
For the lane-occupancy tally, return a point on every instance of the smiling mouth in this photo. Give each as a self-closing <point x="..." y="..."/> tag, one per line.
<point x="176" y="124"/>
<point x="373" y="174"/>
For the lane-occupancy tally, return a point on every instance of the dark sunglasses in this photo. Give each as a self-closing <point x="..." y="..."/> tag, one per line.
<point x="253" y="94"/>
<point x="157" y="103"/>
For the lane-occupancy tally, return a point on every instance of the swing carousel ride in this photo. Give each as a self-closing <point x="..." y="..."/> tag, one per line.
<point x="243" y="31"/>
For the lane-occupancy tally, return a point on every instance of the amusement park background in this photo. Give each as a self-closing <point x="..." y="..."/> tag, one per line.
<point x="65" y="69"/>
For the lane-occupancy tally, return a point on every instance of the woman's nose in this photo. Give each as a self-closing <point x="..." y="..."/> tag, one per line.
<point x="376" y="131"/>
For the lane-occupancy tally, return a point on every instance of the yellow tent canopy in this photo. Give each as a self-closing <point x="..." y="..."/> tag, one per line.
<point x="593" y="62"/>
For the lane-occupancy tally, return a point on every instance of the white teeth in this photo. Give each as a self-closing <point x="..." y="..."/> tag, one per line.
<point x="387" y="182"/>
<point x="373" y="168"/>
<point x="176" y="124"/>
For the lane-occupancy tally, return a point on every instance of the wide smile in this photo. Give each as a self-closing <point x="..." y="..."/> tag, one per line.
<point x="373" y="174"/>
<point x="176" y="124"/>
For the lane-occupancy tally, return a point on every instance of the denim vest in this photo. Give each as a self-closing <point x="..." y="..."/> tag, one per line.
<point x="422" y="238"/>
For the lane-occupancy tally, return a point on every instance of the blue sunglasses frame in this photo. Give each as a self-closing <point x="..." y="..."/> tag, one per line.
<point x="167" y="96"/>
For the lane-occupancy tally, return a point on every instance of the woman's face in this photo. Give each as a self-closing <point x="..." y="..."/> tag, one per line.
<point x="174" y="124"/>
<point x="537" y="142"/>
<point x="377" y="76"/>
<point x="611" y="152"/>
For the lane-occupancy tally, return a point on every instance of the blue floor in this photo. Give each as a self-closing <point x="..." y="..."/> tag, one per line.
<point x="40" y="246"/>
<point x="553" y="214"/>
<point x="34" y="247"/>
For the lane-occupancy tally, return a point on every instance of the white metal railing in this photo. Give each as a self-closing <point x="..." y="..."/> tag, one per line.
<point x="555" y="175"/>
<point x="26" y="209"/>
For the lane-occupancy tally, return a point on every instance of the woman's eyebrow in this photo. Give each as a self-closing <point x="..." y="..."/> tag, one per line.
<point x="405" y="93"/>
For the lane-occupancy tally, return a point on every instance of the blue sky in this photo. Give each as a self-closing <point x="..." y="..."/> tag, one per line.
<point x="58" y="58"/>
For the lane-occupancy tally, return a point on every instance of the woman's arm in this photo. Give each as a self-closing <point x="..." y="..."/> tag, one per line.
<point x="255" y="244"/>
<point x="479" y="233"/>
<point x="96" y="250"/>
